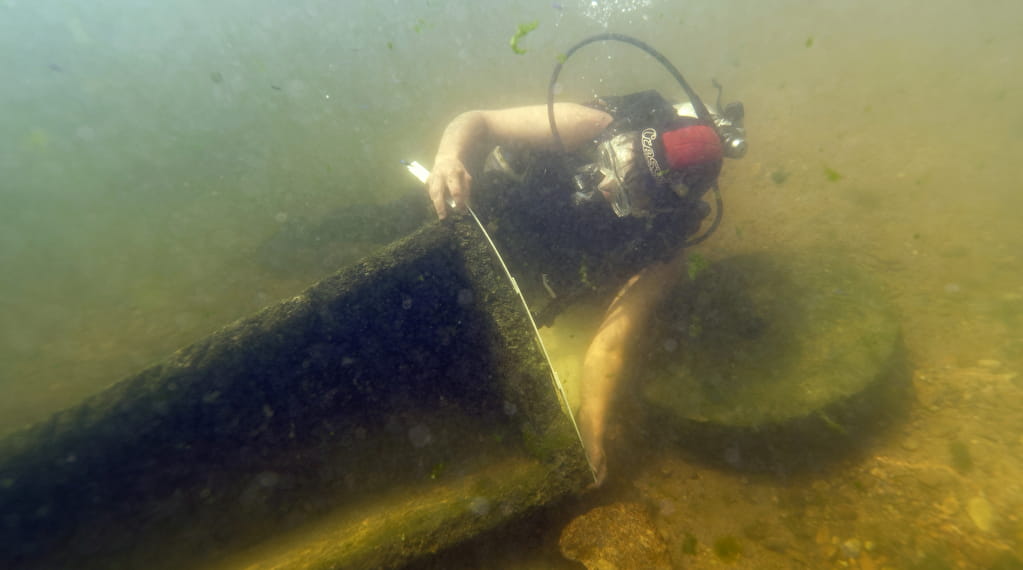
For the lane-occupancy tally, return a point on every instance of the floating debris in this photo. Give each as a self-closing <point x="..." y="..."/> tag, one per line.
<point x="521" y="33"/>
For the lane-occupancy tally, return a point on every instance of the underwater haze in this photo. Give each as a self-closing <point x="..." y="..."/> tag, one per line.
<point x="165" y="167"/>
<point x="150" y="151"/>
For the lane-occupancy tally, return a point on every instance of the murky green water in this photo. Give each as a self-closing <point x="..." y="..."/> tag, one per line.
<point x="149" y="154"/>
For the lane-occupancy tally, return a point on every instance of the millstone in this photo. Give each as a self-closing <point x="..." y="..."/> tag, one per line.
<point x="759" y="340"/>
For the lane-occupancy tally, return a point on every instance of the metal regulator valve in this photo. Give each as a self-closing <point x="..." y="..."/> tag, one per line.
<point x="729" y="124"/>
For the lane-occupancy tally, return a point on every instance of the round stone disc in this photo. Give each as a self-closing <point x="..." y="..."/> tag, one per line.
<point x="762" y="339"/>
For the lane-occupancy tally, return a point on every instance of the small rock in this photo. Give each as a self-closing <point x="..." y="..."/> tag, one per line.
<point x="981" y="513"/>
<point x="852" y="547"/>
<point x="776" y="544"/>
<point x="949" y="505"/>
<point x="845" y="513"/>
<point x="867" y="563"/>
<point x="936" y="479"/>
<point x="756" y="530"/>
<point x="988" y="363"/>
<point x="666" y="508"/>
<point x="615" y="537"/>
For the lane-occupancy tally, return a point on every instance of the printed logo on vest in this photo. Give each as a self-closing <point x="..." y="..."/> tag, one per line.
<point x="647" y="138"/>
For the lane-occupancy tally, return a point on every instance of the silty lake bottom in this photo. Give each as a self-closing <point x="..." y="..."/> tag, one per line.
<point x="940" y="486"/>
<point x="937" y="487"/>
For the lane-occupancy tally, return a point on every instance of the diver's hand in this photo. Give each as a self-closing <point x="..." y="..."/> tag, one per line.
<point x="449" y="183"/>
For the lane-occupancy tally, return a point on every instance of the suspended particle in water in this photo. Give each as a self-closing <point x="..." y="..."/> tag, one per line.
<point x="510" y="408"/>
<point x="268" y="479"/>
<point x="480" y="506"/>
<point x="420" y="436"/>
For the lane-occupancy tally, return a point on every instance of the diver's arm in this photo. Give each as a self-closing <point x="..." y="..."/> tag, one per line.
<point x="607" y="354"/>
<point x="473" y="133"/>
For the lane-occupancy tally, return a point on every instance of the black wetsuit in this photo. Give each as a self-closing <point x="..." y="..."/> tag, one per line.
<point x="559" y="249"/>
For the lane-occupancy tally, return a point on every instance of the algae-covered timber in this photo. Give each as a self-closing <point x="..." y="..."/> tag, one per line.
<point x="300" y="421"/>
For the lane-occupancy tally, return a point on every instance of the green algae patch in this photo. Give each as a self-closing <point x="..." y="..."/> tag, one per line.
<point x="779" y="176"/>
<point x="520" y="33"/>
<point x="695" y="264"/>
<point x="961" y="458"/>
<point x="727" y="548"/>
<point x="689" y="545"/>
<point x="394" y="529"/>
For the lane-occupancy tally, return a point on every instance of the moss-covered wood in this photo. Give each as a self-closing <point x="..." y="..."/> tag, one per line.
<point x="543" y="424"/>
<point x="407" y="524"/>
<point x="404" y="375"/>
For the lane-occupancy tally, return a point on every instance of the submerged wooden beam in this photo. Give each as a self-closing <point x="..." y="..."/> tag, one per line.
<point x="403" y="386"/>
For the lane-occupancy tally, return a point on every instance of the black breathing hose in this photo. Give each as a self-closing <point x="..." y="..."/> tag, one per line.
<point x="701" y="110"/>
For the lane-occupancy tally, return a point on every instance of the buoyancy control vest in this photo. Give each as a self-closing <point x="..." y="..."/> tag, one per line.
<point x="560" y="248"/>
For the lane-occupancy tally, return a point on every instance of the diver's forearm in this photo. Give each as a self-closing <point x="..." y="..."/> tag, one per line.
<point x="463" y="137"/>
<point x="602" y="372"/>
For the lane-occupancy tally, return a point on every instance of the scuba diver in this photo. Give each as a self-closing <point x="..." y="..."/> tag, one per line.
<point x="582" y="199"/>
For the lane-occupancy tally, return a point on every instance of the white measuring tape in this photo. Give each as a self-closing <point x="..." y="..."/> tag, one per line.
<point x="420" y="172"/>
